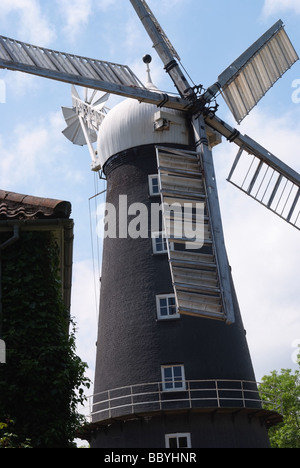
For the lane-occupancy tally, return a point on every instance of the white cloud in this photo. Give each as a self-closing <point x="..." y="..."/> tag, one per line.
<point x="20" y="157"/>
<point x="277" y="6"/>
<point x="75" y="15"/>
<point x="25" y="20"/>
<point x="19" y="84"/>
<point x="32" y="23"/>
<point x="29" y="149"/>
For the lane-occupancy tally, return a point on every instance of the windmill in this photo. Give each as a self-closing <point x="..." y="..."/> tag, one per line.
<point x="201" y="279"/>
<point x="84" y="118"/>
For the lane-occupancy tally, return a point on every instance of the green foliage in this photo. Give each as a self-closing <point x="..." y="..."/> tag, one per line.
<point x="43" y="380"/>
<point x="8" y="439"/>
<point x="286" y="386"/>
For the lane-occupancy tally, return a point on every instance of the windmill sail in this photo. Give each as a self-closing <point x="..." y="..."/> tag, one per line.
<point x="261" y="175"/>
<point x="159" y="28"/>
<point x="196" y="266"/>
<point x="92" y="113"/>
<point x="248" y="79"/>
<point x="267" y="182"/>
<point x="163" y="47"/>
<point x="103" y="76"/>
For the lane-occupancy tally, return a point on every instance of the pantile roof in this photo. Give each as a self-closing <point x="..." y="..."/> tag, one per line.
<point x="18" y="206"/>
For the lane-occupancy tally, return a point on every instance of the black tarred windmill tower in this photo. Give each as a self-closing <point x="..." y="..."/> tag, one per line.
<point x="173" y="367"/>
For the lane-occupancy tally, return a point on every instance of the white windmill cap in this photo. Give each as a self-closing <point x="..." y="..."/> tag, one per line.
<point x="131" y="124"/>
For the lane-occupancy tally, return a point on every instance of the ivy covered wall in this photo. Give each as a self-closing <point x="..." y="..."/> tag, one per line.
<point x="43" y="379"/>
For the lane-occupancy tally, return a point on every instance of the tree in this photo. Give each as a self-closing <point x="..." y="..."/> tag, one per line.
<point x="8" y="439"/>
<point x="286" y="387"/>
<point x="43" y="381"/>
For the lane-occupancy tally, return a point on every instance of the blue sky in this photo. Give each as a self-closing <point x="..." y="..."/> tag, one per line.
<point x="36" y="159"/>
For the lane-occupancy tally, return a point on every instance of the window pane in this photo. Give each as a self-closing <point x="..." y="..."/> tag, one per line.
<point x="168" y="385"/>
<point x="173" y="442"/>
<point x="159" y="244"/>
<point x="178" y="384"/>
<point x="182" y="442"/>
<point x="168" y="378"/>
<point x="163" y="307"/>
<point x="178" y="377"/>
<point x="177" y="372"/>
<point x="168" y="373"/>
<point x="172" y="306"/>
<point x="155" y="185"/>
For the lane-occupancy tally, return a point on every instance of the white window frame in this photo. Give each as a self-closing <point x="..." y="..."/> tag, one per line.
<point x="177" y="436"/>
<point x="151" y="178"/>
<point x="169" y="316"/>
<point x="176" y="386"/>
<point x="155" y="236"/>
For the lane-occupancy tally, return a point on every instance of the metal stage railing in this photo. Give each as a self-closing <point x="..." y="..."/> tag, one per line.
<point x="193" y="394"/>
